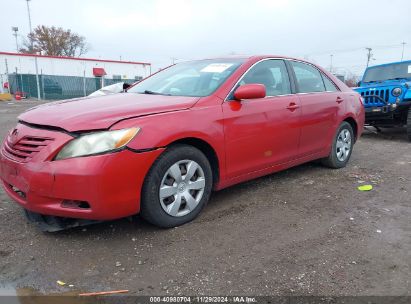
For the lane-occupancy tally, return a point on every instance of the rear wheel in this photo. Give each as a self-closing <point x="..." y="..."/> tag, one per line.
<point x="177" y="187"/>
<point x="409" y="124"/>
<point x="342" y="147"/>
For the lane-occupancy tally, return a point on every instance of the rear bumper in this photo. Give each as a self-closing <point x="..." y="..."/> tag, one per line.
<point x="110" y="184"/>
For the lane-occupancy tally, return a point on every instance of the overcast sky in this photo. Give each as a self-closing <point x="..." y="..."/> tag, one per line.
<point x="158" y="30"/>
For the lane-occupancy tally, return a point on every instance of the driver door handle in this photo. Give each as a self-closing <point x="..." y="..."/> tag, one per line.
<point x="292" y="106"/>
<point x="339" y="99"/>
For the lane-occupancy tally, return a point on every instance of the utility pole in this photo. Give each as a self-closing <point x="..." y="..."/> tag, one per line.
<point x="331" y="63"/>
<point x="35" y="55"/>
<point x="403" y="47"/>
<point x="7" y="66"/>
<point x="7" y="75"/>
<point x="84" y="83"/>
<point x="15" y="29"/>
<point x="369" y="56"/>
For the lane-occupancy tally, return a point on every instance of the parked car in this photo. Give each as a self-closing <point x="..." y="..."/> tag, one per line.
<point x="115" y="88"/>
<point x="162" y="147"/>
<point x="387" y="95"/>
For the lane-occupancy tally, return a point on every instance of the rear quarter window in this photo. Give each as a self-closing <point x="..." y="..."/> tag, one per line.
<point x="329" y="85"/>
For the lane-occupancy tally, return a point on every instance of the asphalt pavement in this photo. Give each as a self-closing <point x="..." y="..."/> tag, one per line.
<point x="305" y="231"/>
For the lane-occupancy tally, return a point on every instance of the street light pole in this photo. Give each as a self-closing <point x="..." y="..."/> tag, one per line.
<point x="35" y="55"/>
<point x="331" y="63"/>
<point x="28" y="11"/>
<point x="369" y="56"/>
<point x="403" y="46"/>
<point x="15" y="29"/>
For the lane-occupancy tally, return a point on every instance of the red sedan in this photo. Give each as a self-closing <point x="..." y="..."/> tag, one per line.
<point x="162" y="147"/>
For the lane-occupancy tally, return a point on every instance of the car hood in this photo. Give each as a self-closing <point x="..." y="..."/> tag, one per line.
<point x="93" y="113"/>
<point x="379" y="84"/>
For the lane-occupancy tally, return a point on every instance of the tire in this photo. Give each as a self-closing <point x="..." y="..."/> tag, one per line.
<point x="169" y="172"/>
<point x="409" y="124"/>
<point x="340" y="155"/>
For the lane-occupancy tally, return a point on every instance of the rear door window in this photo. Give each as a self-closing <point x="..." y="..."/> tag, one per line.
<point x="308" y="78"/>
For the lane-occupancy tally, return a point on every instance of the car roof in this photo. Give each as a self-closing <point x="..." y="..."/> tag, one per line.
<point x="248" y="57"/>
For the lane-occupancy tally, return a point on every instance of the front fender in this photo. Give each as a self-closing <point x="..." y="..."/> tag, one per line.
<point x="160" y="130"/>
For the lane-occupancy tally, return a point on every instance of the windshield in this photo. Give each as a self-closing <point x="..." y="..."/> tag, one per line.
<point x="385" y="72"/>
<point x="194" y="78"/>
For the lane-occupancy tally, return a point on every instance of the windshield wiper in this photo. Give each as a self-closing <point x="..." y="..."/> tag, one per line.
<point x="154" y="93"/>
<point x="396" y="78"/>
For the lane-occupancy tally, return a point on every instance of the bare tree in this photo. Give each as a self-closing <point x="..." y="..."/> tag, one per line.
<point x="53" y="41"/>
<point x="351" y="80"/>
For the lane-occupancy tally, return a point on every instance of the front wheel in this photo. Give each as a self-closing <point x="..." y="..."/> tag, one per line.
<point x="342" y="147"/>
<point x="177" y="187"/>
<point x="409" y="124"/>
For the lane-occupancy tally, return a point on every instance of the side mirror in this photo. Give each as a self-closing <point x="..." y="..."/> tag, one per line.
<point x="358" y="83"/>
<point x="250" y="91"/>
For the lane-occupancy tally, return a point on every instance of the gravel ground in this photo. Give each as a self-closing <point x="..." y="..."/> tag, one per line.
<point x="304" y="231"/>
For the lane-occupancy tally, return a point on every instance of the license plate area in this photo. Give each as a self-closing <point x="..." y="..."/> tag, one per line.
<point x="13" y="178"/>
<point x="9" y="170"/>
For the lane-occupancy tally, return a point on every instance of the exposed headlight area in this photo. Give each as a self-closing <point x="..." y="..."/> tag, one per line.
<point x="97" y="143"/>
<point x="396" y="92"/>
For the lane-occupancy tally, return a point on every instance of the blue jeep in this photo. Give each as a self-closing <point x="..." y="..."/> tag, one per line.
<point x="386" y="90"/>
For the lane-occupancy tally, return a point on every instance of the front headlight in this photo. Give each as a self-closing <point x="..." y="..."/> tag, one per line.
<point x="97" y="142"/>
<point x="396" y="92"/>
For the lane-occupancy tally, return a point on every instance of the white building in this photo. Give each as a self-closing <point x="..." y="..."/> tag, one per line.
<point x="71" y="66"/>
<point x="16" y="64"/>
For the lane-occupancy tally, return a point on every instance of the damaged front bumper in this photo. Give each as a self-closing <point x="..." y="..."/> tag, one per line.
<point x="100" y="187"/>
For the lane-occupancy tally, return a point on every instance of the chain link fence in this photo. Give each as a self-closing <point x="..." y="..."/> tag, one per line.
<point x="58" y="87"/>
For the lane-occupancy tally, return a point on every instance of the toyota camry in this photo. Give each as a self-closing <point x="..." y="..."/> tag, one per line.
<point x="162" y="147"/>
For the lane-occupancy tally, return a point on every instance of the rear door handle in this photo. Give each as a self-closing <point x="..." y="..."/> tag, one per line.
<point x="293" y="106"/>
<point x="339" y="99"/>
